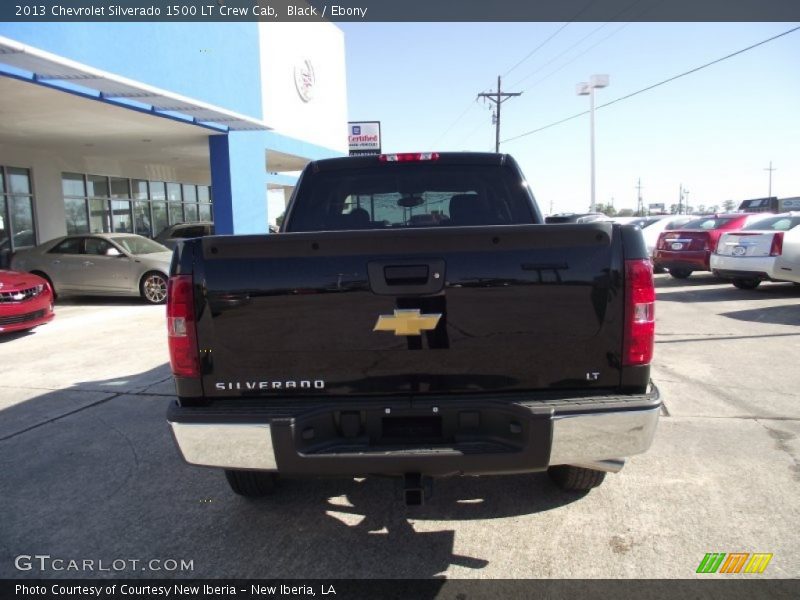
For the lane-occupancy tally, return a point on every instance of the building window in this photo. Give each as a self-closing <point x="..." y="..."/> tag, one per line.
<point x="139" y="189"/>
<point x="99" y="216"/>
<point x="120" y="188"/>
<point x="160" y="220"/>
<point x="75" y="211"/>
<point x="121" y="218"/>
<point x="96" y="203"/>
<point x="142" y="221"/>
<point x="17" y="225"/>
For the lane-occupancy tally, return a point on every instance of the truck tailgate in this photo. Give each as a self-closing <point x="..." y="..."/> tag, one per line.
<point x="411" y="311"/>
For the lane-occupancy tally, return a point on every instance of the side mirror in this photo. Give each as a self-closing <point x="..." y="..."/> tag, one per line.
<point x="113" y="252"/>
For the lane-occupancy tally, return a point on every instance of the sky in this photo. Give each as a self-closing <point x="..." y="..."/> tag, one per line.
<point x="713" y="132"/>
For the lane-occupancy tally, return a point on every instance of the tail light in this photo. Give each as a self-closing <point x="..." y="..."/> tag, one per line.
<point x="776" y="249"/>
<point x="640" y="322"/>
<point x="183" y="355"/>
<point x="409" y="157"/>
<point x="663" y="238"/>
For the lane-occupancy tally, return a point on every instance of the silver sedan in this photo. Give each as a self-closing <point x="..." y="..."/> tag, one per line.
<point x="104" y="264"/>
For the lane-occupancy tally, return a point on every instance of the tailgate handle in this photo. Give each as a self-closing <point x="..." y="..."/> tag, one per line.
<point x="410" y="277"/>
<point x="406" y="275"/>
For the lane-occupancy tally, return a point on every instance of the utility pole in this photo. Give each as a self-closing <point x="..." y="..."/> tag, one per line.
<point x="498" y="98"/>
<point x="680" y="198"/>
<point x="639" y="205"/>
<point x="770" y="169"/>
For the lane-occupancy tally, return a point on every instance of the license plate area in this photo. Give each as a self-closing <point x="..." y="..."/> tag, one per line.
<point x="419" y="429"/>
<point x="469" y="429"/>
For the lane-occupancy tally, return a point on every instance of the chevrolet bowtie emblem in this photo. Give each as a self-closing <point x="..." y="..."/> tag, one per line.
<point x="407" y="322"/>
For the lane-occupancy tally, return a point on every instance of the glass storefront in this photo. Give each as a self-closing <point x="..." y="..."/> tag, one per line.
<point x="96" y="203"/>
<point x="17" y="225"/>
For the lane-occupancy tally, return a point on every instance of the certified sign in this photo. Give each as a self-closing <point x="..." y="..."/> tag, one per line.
<point x="304" y="80"/>
<point x="364" y="137"/>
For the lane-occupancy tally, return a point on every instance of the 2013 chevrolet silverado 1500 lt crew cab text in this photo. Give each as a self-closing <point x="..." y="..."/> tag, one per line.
<point x="415" y="317"/>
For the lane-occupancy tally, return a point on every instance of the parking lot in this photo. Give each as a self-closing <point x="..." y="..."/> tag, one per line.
<point x="88" y="469"/>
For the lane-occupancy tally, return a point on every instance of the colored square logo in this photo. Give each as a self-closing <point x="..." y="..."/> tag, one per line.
<point x="356" y="129"/>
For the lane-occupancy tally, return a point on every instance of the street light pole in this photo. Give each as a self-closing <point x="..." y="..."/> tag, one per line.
<point x="587" y="89"/>
<point x="770" y="169"/>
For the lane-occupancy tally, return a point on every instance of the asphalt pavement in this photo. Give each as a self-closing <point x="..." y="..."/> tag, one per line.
<point x="88" y="470"/>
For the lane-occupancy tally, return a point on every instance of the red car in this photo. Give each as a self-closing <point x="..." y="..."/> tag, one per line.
<point x="26" y="301"/>
<point x="688" y="249"/>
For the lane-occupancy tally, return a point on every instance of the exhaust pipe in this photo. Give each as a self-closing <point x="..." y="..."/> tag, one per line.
<point x="416" y="489"/>
<point x="610" y="465"/>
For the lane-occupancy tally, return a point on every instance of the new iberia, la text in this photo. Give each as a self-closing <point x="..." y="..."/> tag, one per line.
<point x="178" y="590"/>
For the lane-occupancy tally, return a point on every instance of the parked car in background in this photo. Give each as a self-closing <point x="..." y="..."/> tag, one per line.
<point x="652" y="229"/>
<point x="576" y="218"/>
<point x="26" y="301"/>
<point x="767" y="250"/>
<point x="689" y="248"/>
<point x="173" y="234"/>
<point x="102" y="264"/>
<point x="640" y="222"/>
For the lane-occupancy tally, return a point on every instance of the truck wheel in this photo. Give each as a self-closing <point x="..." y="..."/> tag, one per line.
<point x="680" y="273"/>
<point x="575" y="479"/>
<point x="746" y="284"/>
<point x="252" y="484"/>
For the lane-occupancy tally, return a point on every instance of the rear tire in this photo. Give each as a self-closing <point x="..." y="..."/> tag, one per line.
<point x="747" y="284"/>
<point x="251" y="484"/>
<point x="680" y="273"/>
<point x="575" y="479"/>
<point x="153" y="287"/>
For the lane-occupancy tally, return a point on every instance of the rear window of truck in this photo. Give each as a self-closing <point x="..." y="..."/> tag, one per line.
<point x="410" y="195"/>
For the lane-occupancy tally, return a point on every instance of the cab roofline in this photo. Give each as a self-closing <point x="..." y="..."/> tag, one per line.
<point x="449" y="158"/>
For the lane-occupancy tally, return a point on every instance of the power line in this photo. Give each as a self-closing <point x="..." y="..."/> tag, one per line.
<point x="454" y="123"/>
<point x="580" y="41"/>
<point x="532" y="52"/>
<point x="655" y="85"/>
<point x="467" y="137"/>
<point x="555" y="58"/>
<point x="713" y="62"/>
<point x="559" y="30"/>
<point x="576" y="57"/>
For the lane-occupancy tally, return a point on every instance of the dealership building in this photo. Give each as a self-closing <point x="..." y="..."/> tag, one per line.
<point x="131" y="127"/>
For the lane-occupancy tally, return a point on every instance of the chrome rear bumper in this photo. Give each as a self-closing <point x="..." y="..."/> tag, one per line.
<point x="591" y="439"/>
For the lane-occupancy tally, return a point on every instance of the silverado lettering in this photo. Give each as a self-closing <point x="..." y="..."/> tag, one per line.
<point x="266" y="385"/>
<point x="450" y="331"/>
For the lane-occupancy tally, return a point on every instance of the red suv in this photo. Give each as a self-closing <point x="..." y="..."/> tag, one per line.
<point x="689" y="248"/>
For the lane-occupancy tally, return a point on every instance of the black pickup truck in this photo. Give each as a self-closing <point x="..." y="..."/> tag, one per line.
<point x="414" y="317"/>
